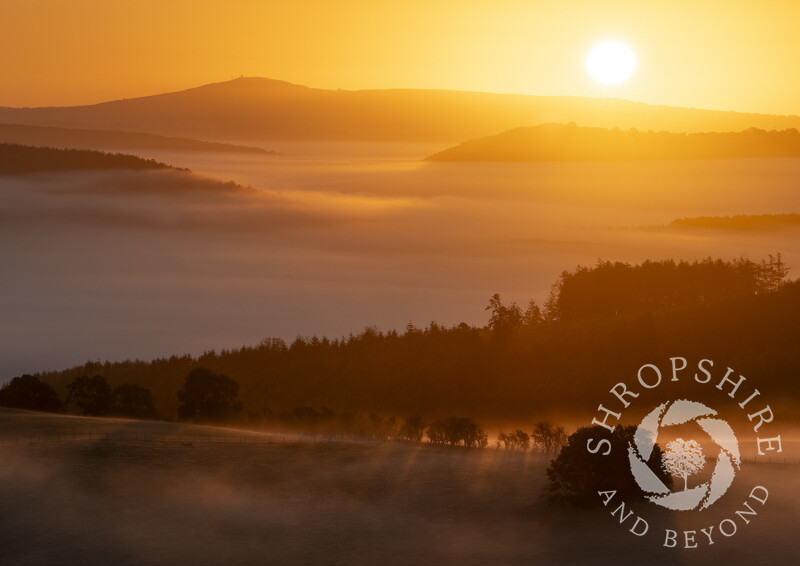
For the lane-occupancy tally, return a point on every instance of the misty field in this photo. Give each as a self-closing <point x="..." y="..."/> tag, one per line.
<point x="161" y="493"/>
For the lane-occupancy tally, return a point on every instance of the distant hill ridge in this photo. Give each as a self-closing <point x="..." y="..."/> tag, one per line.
<point x="71" y="138"/>
<point x="754" y="222"/>
<point x="569" y="142"/>
<point x="259" y="108"/>
<point x="21" y="159"/>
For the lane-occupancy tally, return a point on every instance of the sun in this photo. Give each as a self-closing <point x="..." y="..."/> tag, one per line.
<point x="611" y="62"/>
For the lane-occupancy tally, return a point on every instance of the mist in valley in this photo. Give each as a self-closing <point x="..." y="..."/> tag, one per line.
<point x="164" y="493"/>
<point x="327" y="239"/>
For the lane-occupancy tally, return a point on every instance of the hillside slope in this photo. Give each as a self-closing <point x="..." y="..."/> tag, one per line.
<point x="259" y="108"/>
<point x="464" y="370"/>
<point x="568" y="142"/>
<point x="71" y="138"/>
<point x="18" y="159"/>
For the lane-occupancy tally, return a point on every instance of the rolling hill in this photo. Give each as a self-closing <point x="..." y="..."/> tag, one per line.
<point x="259" y="108"/>
<point x="568" y="142"/>
<point x="738" y="222"/>
<point x="21" y="159"/>
<point x="70" y="138"/>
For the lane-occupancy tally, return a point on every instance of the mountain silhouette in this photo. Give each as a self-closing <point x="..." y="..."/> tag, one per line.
<point x="259" y="108"/>
<point x="568" y="142"/>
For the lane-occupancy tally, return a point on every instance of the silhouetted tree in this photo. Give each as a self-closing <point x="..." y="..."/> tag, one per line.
<point x="90" y="395"/>
<point x="517" y="439"/>
<point x="533" y="314"/>
<point x="207" y="396"/>
<point x="456" y="431"/>
<point x="552" y="309"/>
<point x="381" y="428"/>
<point x="503" y="318"/>
<point x="133" y="401"/>
<point x="28" y="392"/>
<point x="576" y="475"/>
<point x="772" y="273"/>
<point x="413" y="429"/>
<point x="306" y="417"/>
<point x="549" y="436"/>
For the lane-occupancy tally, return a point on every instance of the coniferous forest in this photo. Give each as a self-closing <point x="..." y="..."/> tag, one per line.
<point x="522" y="364"/>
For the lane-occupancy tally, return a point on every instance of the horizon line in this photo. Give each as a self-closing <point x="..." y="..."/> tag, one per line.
<point x="395" y="89"/>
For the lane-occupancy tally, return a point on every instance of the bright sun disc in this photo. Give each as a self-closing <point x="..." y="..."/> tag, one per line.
<point x="611" y="62"/>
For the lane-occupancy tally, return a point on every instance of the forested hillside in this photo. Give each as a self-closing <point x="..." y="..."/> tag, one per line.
<point x="18" y="159"/>
<point x="570" y="142"/>
<point x="534" y="361"/>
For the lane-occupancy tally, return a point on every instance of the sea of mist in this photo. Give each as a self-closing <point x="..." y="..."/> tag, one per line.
<point x="331" y="238"/>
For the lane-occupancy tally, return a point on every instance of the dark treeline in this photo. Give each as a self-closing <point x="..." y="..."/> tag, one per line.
<point x="599" y="325"/>
<point x="19" y="159"/>
<point x="555" y="142"/>
<point x="612" y="288"/>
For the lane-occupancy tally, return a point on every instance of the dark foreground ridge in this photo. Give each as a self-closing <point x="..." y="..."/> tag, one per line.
<point x="21" y="159"/>
<point x="569" y="142"/>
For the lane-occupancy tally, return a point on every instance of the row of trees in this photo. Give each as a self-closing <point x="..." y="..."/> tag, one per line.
<point x="546" y="436"/>
<point x="613" y="288"/>
<point x="455" y="431"/>
<point x="29" y="392"/>
<point x="205" y="396"/>
<point x="209" y="397"/>
<point x="610" y="289"/>
<point x="87" y="395"/>
<point x="91" y="395"/>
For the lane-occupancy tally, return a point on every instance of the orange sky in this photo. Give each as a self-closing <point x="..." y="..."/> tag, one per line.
<point x="732" y="54"/>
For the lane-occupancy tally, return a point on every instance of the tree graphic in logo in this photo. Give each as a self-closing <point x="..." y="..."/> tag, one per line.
<point x="684" y="458"/>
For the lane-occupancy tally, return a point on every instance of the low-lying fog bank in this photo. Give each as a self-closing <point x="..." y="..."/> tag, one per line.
<point x="124" y="265"/>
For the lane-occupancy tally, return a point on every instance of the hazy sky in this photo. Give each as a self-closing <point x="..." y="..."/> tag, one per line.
<point x="722" y="54"/>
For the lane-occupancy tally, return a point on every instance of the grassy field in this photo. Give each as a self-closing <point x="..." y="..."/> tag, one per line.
<point x="162" y="493"/>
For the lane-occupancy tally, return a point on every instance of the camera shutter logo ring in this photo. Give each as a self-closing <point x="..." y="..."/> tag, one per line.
<point x="676" y="413"/>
